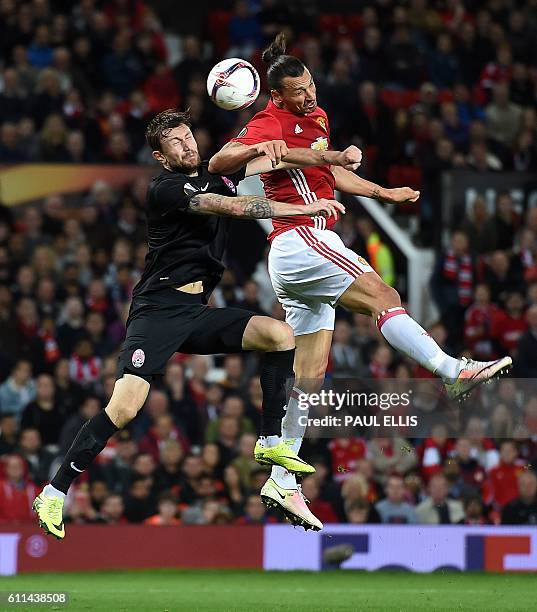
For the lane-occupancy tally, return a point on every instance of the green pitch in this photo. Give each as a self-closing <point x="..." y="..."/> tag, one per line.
<point x="256" y="591"/>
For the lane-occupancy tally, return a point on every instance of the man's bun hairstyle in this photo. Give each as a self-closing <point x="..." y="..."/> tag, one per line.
<point x="280" y="65"/>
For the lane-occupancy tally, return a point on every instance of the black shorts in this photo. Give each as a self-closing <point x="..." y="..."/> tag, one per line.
<point x="165" y="321"/>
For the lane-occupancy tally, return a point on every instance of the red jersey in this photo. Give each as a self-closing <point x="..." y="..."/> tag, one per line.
<point x="508" y="330"/>
<point x="345" y="453"/>
<point x="298" y="186"/>
<point x="478" y="323"/>
<point x="502" y="486"/>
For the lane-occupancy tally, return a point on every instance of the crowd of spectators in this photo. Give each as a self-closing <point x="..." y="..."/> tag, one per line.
<point x="66" y="276"/>
<point x="422" y="87"/>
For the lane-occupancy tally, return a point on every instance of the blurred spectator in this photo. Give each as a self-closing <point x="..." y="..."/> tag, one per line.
<point x="162" y="430"/>
<point x="16" y="491"/>
<point x="474" y="512"/>
<point x="139" y="503"/>
<point x="167" y="511"/>
<point x="44" y="413"/>
<point x="244" y="463"/>
<point x="8" y="433"/>
<point x="84" y="366"/>
<point x="479" y="227"/>
<point x="503" y="117"/>
<point x="393" y="509"/>
<point x="452" y="284"/>
<point x="437" y="508"/>
<point x="360" y="511"/>
<point x="391" y="455"/>
<point x="255" y="512"/>
<point x="346" y="358"/>
<point x="526" y="362"/>
<point x="479" y="320"/>
<point x="523" y="509"/>
<point x="18" y="390"/>
<point x="112" y="510"/>
<point x="503" y="479"/>
<point x="510" y="325"/>
<point x="345" y="453"/>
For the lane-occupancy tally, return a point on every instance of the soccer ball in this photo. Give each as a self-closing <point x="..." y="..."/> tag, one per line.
<point x="233" y="84"/>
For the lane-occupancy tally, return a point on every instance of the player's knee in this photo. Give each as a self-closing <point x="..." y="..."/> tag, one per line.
<point x="128" y="397"/>
<point x="285" y="338"/>
<point x="279" y="336"/>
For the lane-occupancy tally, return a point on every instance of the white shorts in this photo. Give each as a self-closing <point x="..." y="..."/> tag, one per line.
<point x="310" y="269"/>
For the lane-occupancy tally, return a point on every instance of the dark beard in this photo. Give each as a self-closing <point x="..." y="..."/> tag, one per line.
<point x="187" y="168"/>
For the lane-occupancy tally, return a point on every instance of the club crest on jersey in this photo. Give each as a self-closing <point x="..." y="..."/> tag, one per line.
<point x="320" y="144"/>
<point x="138" y="358"/>
<point x="229" y="184"/>
<point x="322" y="122"/>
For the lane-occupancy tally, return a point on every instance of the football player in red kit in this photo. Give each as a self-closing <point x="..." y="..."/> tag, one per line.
<point x="310" y="268"/>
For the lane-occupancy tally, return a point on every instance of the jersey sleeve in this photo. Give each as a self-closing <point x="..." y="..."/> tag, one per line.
<point x="260" y="128"/>
<point x="170" y="194"/>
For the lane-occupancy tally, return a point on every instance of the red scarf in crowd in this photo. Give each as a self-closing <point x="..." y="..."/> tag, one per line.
<point x="52" y="350"/>
<point x="459" y="270"/>
<point x="84" y="371"/>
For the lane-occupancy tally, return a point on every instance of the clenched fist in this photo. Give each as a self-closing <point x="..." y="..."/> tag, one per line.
<point x="350" y="158"/>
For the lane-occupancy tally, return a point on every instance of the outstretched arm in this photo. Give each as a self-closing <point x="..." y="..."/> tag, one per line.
<point x="348" y="182"/>
<point x="256" y="207"/>
<point x="274" y="155"/>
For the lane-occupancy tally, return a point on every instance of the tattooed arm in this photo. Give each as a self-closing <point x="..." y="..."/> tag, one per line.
<point x="349" y="182"/>
<point x="257" y="207"/>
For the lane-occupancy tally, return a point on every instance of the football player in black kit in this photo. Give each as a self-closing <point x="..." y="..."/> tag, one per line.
<point x="188" y="212"/>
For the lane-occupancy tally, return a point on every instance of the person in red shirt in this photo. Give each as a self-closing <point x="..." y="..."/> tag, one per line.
<point x="478" y="323"/>
<point x="510" y="325"/>
<point x="16" y="491"/>
<point x="311" y="269"/>
<point x="502" y="484"/>
<point x="345" y="453"/>
<point x="434" y="451"/>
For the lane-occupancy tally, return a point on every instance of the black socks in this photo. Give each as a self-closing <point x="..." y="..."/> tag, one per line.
<point x="89" y="442"/>
<point x="277" y="369"/>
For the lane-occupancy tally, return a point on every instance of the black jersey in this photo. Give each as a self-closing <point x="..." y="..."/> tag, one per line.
<point x="184" y="246"/>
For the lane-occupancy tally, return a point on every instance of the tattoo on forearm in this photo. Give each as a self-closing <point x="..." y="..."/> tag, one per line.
<point x="253" y="207"/>
<point x="376" y="193"/>
<point x="259" y="208"/>
<point x="205" y="203"/>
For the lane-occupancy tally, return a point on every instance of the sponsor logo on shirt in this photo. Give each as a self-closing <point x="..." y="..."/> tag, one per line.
<point x="229" y="184"/>
<point x="190" y="188"/>
<point x="298" y="129"/>
<point x="242" y="133"/>
<point x="320" y="144"/>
